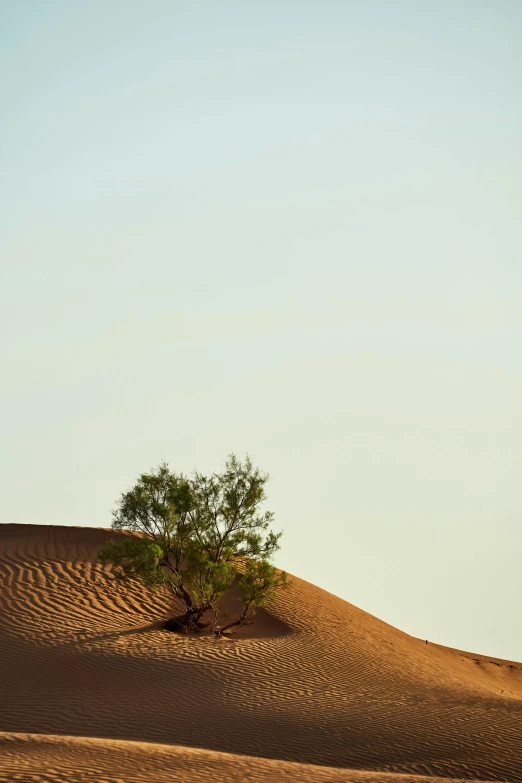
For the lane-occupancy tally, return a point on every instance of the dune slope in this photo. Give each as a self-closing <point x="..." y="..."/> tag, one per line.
<point x="45" y="758"/>
<point x="314" y="681"/>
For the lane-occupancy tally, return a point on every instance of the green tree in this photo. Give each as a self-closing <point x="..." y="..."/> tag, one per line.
<point x="196" y="537"/>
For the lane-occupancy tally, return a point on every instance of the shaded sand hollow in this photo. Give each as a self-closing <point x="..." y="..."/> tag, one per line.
<point x="92" y="689"/>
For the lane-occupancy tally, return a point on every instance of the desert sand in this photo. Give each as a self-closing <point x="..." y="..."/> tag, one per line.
<point x="316" y="689"/>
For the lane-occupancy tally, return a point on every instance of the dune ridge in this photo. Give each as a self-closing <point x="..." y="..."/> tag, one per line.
<point x="52" y="759"/>
<point x="315" y="680"/>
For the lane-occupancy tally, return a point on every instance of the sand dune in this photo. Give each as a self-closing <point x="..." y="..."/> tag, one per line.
<point x="52" y="759"/>
<point x="314" y="681"/>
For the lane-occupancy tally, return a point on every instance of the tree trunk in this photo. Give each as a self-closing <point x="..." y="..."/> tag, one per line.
<point x="185" y="623"/>
<point x="243" y="618"/>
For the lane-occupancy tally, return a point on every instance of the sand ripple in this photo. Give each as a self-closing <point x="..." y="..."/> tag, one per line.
<point x="314" y="681"/>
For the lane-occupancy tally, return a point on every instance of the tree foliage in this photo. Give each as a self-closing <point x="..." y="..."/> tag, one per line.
<point x="196" y="537"/>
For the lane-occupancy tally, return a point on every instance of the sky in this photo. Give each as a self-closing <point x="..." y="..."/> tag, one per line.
<point x="288" y="229"/>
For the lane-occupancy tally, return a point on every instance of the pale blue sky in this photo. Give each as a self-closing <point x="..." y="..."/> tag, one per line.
<point x="287" y="228"/>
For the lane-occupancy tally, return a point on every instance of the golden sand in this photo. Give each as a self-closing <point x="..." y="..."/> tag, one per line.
<point x="93" y="689"/>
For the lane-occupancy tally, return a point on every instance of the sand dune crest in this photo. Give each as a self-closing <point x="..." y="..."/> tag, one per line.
<point x="53" y="759"/>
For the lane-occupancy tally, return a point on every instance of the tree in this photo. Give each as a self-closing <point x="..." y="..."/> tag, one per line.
<point x="196" y="537"/>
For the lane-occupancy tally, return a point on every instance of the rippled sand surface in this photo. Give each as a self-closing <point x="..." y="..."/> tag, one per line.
<point x="93" y="689"/>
